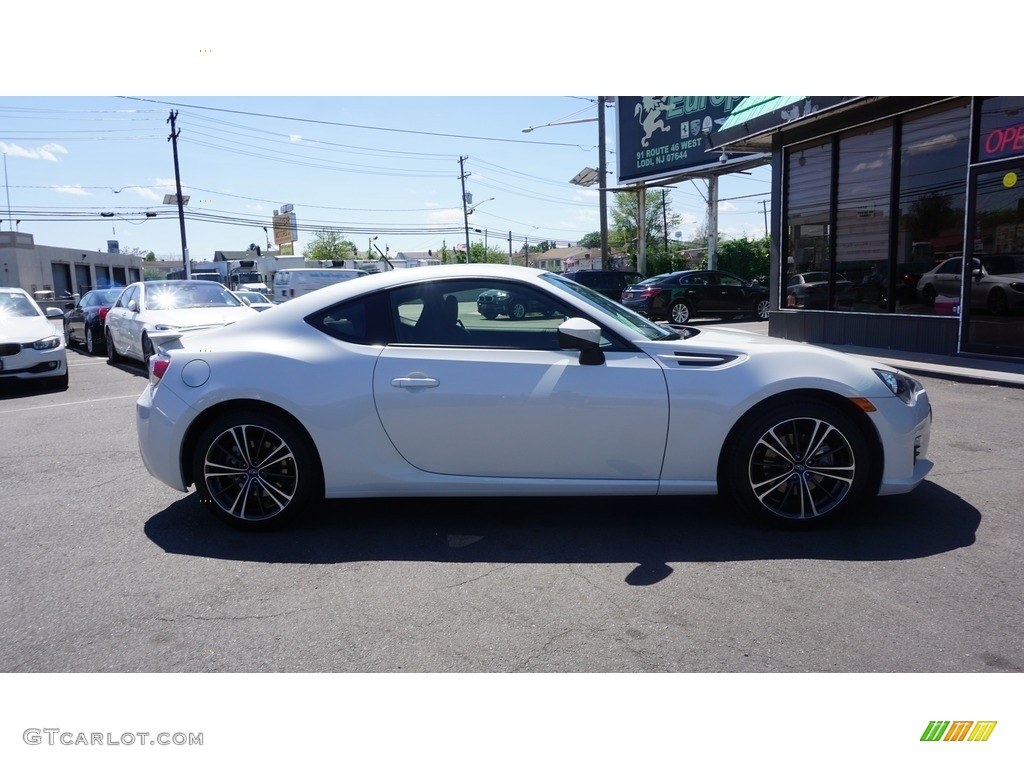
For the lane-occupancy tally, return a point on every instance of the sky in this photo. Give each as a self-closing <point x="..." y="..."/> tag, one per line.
<point x="80" y="171"/>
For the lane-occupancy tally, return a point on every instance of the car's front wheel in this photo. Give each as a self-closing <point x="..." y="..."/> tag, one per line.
<point x="997" y="303"/>
<point x="517" y="310"/>
<point x="762" y="309"/>
<point x="68" y="340"/>
<point x="797" y="463"/>
<point x="679" y="313"/>
<point x="255" y="470"/>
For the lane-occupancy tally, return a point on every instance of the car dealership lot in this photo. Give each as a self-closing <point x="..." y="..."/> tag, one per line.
<point x="112" y="571"/>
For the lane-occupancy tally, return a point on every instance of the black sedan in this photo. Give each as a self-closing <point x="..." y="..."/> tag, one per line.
<point x="680" y="296"/>
<point x="83" y="321"/>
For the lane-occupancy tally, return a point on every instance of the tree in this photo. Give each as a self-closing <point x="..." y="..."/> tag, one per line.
<point x="747" y="258"/>
<point x="656" y="218"/>
<point x="590" y="240"/>
<point x="328" y="245"/>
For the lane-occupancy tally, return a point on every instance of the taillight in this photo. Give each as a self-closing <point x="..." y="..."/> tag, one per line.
<point x="103" y="313"/>
<point x="649" y="293"/>
<point x="158" y="365"/>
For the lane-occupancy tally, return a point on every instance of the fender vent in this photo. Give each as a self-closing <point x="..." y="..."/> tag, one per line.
<point x="694" y="360"/>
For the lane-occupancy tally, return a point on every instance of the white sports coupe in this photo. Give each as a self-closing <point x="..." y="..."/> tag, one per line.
<point x="396" y="385"/>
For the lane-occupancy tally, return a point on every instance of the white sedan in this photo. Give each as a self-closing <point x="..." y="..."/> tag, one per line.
<point x="147" y="308"/>
<point x="30" y="348"/>
<point x="395" y="385"/>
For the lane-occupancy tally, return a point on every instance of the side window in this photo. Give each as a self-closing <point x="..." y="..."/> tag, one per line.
<point x="482" y="312"/>
<point x="127" y="296"/>
<point x="361" y="321"/>
<point x="735" y="282"/>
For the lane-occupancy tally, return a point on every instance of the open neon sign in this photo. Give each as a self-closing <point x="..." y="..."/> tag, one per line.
<point x="1002" y="140"/>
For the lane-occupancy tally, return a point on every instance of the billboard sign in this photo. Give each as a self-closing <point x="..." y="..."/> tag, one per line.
<point x="285" y="228"/>
<point x="659" y="136"/>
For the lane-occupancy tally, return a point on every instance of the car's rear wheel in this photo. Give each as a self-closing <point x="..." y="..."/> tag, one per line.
<point x="90" y="341"/>
<point x="928" y="295"/>
<point x="679" y="313"/>
<point x="797" y="463"/>
<point x="112" y="354"/>
<point x="255" y="470"/>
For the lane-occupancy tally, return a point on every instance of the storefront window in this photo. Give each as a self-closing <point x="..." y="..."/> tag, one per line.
<point x="933" y="166"/>
<point x="809" y="185"/>
<point x="995" y="319"/>
<point x="862" y="221"/>
<point x="1001" y="131"/>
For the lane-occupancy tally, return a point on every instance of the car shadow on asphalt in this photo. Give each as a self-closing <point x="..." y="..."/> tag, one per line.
<point x="648" y="532"/>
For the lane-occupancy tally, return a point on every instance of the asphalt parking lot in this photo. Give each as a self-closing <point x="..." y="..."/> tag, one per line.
<point x="114" y="572"/>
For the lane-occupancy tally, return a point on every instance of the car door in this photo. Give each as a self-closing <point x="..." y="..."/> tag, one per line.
<point x="732" y="294"/>
<point x="504" y="401"/>
<point x="119" y="319"/>
<point x="76" y="317"/>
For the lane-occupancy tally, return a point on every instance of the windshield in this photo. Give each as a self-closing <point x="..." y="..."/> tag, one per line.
<point x="16" y="305"/>
<point x="604" y="305"/>
<point x="189" y="294"/>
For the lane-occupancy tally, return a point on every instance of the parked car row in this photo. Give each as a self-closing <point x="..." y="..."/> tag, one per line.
<point x="158" y="305"/>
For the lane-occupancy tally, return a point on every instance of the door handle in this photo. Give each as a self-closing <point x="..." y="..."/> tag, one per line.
<point x="414" y="381"/>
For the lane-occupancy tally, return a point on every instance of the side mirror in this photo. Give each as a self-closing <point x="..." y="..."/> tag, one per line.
<point x="53" y="312"/>
<point x="581" y="334"/>
<point x="133" y="306"/>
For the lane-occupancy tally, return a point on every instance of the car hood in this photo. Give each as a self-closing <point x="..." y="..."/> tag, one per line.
<point x="196" y="316"/>
<point x="22" y="329"/>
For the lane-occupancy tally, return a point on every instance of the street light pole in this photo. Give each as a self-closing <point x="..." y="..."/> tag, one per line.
<point x="465" y="212"/>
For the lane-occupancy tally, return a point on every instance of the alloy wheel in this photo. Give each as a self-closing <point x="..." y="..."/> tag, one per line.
<point x="802" y="468"/>
<point x="251" y="472"/>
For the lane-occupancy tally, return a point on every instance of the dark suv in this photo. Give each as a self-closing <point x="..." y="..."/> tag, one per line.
<point x="607" y="282"/>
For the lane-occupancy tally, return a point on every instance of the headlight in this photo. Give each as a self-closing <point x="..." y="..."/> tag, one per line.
<point x="901" y="385"/>
<point x="165" y="327"/>
<point x="50" y="342"/>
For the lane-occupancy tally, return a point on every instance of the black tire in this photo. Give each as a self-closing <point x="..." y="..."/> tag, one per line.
<point x="997" y="303"/>
<point x="679" y="313"/>
<point x="489" y="315"/>
<point x="770" y="475"/>
<point x="762" y="309"/>
<point x="68" y="341"/>
<point x="255" y="471"/>
<point x="90" y="341"/>
<point x="928" y="295"/>
<point x="112" y="354"/>
<point x="147" y="350"/>
<point x="517" y="310"/>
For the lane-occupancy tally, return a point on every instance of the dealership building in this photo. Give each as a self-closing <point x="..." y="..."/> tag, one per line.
<point x="896" y="222"/>
<point x="49" y="272"/>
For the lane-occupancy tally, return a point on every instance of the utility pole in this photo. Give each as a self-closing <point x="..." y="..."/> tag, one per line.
<point x="465" y="212"/>
<point x="602" y="171"/>
<point x="664" y="221"/>
<point x="173" y="138"/>
<point x="764" y="205"/>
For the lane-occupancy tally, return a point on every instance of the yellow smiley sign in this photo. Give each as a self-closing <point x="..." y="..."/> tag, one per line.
<point x="1010" y="180"/>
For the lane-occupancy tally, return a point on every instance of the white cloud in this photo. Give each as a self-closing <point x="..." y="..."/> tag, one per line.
<point x="71" y="189"/>
<point x="45" y="152"/>
<point x="295" y="138"/>
<point x="147" y="193"/>
<point x="446" y="216"/>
